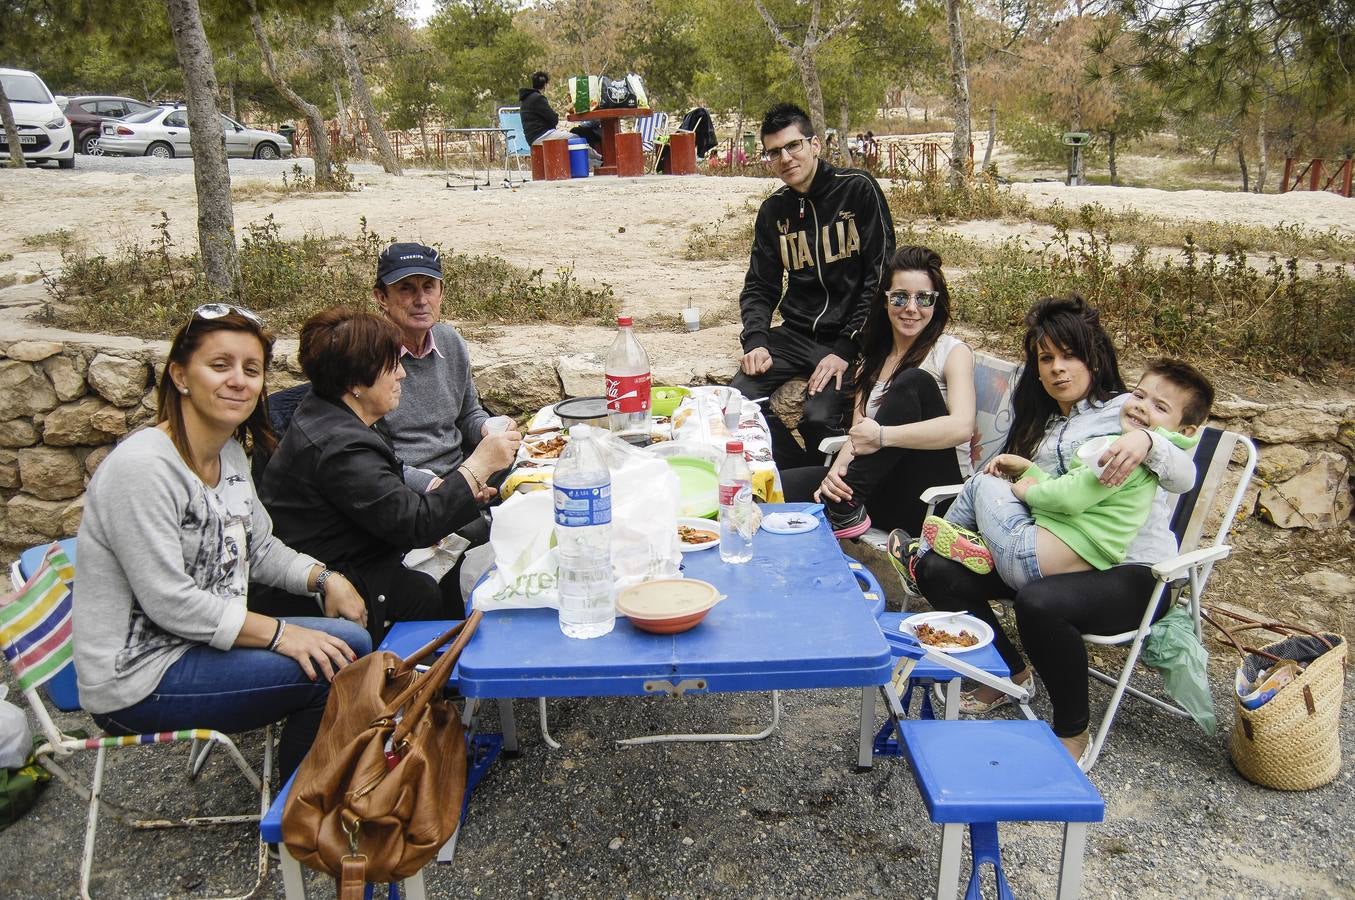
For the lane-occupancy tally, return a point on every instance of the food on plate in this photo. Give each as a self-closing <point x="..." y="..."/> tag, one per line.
<point x="935" y="637"/>
<point x="658" y="437"/>
<point x="550" y="448"/>
<point x="696" y="535"/>
<point x="681" y="418"/>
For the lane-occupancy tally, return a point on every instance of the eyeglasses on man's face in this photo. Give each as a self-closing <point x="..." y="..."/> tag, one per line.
<point x="789" y="148"/>
<point x="923" y="299"/>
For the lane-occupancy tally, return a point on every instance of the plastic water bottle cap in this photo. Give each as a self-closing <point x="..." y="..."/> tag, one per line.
<point x="734" y="446"/>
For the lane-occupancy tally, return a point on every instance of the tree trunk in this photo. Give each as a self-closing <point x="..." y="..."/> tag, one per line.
<point x="844" y="124"/>
<point x="809" y="74"/>
<point x="211" y="174"/>
<point x="16" y="153"/>
<point x="363" y="98"/>
<point x="324" y="173"/>
<point x="959" y="96"/>
<point x="1262" y="162"/>
<point x="803" y="55"/>
<point x="1242" y="163"/>
<point x="1110" y="158"/>
<point x="342" y="112"/>
<point x="992" y="136"/>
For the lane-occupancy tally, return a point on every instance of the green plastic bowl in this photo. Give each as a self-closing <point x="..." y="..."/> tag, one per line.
<point x="665" y="400"/>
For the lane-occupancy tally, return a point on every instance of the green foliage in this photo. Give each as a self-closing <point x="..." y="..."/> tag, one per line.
<point x="149" y="290"/>
<point x="934" y="198"/>
<point x="480" y="58"/>
<point x="1042" y="141"/>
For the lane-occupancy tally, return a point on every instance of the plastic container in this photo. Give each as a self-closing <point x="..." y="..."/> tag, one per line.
<point x="583" y="537"/>
<point x="666" y="399"/>
<point x="628" y="384"/>
<point x="578" y="157"/>
<point x="737" y="512"/>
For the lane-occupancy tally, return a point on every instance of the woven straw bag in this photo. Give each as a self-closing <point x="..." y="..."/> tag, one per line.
<point x="1292" y="742"/>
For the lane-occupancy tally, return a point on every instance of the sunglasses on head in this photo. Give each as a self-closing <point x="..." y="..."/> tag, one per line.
<point x="209" y="311"/>
<point x="923" y="299"/>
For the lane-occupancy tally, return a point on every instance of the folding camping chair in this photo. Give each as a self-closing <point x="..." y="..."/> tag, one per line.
<point x="516" y="146"/>
<point x="653" y="133"/>
<point x="1184" y="575"/>
<point x="35" y="636"/>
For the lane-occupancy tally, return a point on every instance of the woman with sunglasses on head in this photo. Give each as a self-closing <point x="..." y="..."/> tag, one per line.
<point x="913" y="412"/>
<point x="171" y="536"/>
<point x="335" y="486"/>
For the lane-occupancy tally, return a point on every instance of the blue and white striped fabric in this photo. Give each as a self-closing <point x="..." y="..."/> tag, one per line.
<point x="650" y="127"/>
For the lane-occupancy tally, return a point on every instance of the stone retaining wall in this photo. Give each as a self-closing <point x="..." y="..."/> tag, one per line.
<point x="63" y="405"/>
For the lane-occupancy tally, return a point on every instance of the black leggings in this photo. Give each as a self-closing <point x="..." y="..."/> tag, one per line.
<point x="1052" y="614"/>
<point x="891" y="480"/>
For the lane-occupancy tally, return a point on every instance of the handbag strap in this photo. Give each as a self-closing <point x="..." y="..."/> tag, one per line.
<point x="409" y="662"/>
<point x="1250" y="624"/>
<point x="421" y="690"/>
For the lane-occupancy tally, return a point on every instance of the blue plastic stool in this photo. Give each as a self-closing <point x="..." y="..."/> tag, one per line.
<point x="982" y="773"/>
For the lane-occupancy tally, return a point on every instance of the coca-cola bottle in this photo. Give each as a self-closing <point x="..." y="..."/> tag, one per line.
<point x="628" y="383"/>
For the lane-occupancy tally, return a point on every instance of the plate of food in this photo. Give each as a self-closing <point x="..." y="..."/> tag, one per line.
<point x="545" y="447"/>
<point x="948" y="632"/>
<point x="789" y="522"/>
<point x="698" y="534"/>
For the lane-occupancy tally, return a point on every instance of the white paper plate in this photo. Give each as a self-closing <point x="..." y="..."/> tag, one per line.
<point x="953" y="623"/>
<point x="710" y="525"/>
<point x="789" y="522"/>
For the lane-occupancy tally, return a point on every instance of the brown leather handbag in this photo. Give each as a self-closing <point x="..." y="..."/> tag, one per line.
<point x="381" y="789"/>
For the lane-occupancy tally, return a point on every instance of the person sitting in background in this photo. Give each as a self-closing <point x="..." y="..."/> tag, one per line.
<point x="541" y="123"/>
<point x="1046" y="525"/>
<point x="334" y="486"/>
<point x="171" y="536"/>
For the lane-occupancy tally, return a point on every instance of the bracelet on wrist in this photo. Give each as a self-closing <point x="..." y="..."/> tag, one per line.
<point x="475" y="479"/>
<point x="277" y="636"/>
<point x="882" y="435"/>
<point x="320" y="579"/>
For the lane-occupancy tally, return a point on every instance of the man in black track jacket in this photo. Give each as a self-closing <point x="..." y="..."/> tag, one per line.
<point x="819" y="249"/>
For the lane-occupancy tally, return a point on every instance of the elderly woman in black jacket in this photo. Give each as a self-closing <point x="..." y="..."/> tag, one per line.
<point x="334" y="486"/>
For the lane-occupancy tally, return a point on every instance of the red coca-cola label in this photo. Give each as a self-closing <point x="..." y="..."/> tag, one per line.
<point x="628" y="393"/>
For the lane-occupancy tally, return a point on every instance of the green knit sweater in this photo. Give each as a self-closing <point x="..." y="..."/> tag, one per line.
<point x="1096" y="521"/>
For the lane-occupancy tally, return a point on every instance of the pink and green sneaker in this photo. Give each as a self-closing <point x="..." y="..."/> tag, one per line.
<point x="959" y="544"/>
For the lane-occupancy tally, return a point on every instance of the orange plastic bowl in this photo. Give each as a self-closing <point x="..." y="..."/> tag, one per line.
<point x="668" y="605"/>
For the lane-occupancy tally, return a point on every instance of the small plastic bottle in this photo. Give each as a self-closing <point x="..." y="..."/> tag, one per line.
<point x="628" y="385"/>
<point x="583" y="537"/>
<point x="738" y="515"/>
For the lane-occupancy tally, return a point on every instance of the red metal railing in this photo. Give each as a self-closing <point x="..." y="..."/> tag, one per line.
<point x="1338" y="182"/>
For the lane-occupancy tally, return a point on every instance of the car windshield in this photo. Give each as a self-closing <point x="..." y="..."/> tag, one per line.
<point x="143" y="116"/>
<point x="25" y="89"/>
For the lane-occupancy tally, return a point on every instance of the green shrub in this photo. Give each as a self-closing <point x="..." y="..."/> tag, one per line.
<point x="932" y="197"/>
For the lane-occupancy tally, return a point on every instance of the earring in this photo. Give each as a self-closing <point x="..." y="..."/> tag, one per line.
<point x="184" y="391"/>
<point x="356" y="394"/>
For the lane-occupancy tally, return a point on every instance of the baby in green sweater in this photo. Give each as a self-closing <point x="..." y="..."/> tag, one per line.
<point x="1048" y="525"/>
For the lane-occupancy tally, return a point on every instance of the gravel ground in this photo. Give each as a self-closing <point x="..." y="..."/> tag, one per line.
<point x="149" y="165"/>
<point x="786" y="817"/>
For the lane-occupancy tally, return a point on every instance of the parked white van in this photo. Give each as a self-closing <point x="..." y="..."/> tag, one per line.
<point x="44" y="133"/>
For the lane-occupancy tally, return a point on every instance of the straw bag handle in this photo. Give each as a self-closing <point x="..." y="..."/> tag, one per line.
<point x="1250" y="624"/>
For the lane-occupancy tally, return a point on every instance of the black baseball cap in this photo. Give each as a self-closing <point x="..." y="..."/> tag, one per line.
<point x="402" y="260"/>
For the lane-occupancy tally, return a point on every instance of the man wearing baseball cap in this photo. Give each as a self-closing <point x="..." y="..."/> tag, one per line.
<point x="439" y="420"/>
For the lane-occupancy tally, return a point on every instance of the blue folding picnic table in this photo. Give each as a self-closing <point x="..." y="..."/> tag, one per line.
<point x="794" y="619"/>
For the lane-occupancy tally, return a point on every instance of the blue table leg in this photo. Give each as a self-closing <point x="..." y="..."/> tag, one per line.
<point x="984" y="848"/>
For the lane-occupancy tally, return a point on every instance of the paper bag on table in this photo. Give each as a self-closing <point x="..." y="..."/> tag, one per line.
<point x="645" y="544"/>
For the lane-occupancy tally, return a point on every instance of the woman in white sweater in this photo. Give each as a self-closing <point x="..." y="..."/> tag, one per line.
<point x="171" y="536"/>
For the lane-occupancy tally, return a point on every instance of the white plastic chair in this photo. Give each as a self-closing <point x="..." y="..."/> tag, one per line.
<point x="35" y="636"/>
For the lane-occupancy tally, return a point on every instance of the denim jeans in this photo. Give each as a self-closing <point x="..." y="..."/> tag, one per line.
<point x="988" y="506"/>
<point x="239" y="690"/>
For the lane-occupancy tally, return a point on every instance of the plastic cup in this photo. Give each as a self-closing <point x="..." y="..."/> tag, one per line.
<point x="498" y="424"/>
<point x="1091" y="451"/>
<point x="691" y="317"/>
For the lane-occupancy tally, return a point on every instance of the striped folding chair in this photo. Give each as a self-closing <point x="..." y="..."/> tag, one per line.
<point x="653" y="132"/>
<point x="35" y="637"/>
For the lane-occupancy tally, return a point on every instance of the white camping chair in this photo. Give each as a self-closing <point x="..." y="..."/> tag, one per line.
<point x="35" y="636"/>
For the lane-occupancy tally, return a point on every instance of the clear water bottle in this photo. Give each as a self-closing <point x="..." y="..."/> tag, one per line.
<point x="738" y="514"/>
<point x="628" y="384"/>
<point x="583" y="537"/>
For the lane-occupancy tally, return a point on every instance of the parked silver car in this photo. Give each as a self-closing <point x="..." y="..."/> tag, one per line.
<point x="163" y="132"/>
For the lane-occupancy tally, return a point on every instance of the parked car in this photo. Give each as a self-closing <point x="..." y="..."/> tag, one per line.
<point x="44" y="133"/>
<point x="163" y="132"/>
<point x="86" y="115"/>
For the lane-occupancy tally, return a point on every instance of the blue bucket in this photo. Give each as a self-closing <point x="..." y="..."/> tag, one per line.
<point x="578" y="158"/>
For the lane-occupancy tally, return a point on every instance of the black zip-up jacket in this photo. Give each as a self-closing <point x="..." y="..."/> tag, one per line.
<point x="335" y="486"/>
<point x="831" y="245"/>
<point x="537" y="116"/>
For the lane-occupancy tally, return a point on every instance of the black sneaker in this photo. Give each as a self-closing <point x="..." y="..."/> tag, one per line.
<point x="902" y="551"/>
<point x="849" y="520"/>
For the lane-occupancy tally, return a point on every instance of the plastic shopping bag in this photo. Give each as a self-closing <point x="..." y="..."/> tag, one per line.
<point x="1173" y="649"/>
<point x="645" y="544"/>
<point x="586" y="92"/>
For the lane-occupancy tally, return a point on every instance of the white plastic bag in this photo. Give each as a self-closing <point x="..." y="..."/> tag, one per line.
<point x="645" y="544"/>
<point x="16" y="740"/>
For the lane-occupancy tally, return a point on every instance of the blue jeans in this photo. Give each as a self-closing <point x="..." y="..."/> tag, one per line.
<point x="988" y="506"/>
<point x="239" y="690"/>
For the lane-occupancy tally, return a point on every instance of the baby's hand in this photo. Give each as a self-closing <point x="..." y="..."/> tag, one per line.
<point x="1007" y="465"/>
